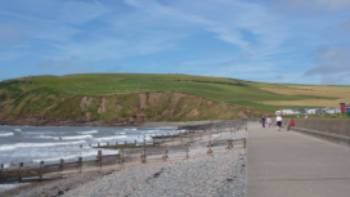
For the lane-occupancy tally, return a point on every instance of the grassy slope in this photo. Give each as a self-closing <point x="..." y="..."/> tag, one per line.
<point x="60" y="98"/>
<point x="325" y="96"/>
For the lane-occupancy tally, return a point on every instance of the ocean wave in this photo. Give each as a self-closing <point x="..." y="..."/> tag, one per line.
<point x="87" y="154"/>
<point x="9" y="147"/>
<point x="109" y="138"/>
<point x="77" y="137"/>
<point x="18" y="129"/>
<point x="7" y="134"/>
<point x="122" y="138"/>
<point x="130" y="129"/>
<point x="167" y="128"/>
<point x="48" y="137"/>
<point x="89" y="132"/>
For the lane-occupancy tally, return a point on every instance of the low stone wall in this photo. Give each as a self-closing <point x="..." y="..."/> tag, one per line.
<point x="332" y="130"/>
<point x="338" y="127"/>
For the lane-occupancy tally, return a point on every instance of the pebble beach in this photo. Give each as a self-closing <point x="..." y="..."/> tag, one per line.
<point x="222" y="174"/>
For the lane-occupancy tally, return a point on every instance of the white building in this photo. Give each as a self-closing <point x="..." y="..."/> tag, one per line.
<point x="331" y="110"/>
<point x="311" y="111"/>
<point x="288" y="112"/>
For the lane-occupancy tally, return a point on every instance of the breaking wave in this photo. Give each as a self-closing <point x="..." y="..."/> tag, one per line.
<point x="7" y="134"/>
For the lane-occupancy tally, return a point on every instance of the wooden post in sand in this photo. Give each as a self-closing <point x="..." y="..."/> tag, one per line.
<point x="210" y="150"/>
<point x="1" y="170"/>
<point x="143" y="154"/>
<point x="229" y="144"/>
<point x="187" y="151"/>
<point x="245" y="143"/>
<point x="2" y="166"/>
<point x="143" y="157"/>
<point x="61" y="164"/>
<point x="99" y="158"/>
<point x="165" y="155"/>
<point x="19" y="172"/>
<point x="41" y="167"/>
<point x="80" y="164"/>
<point x="122" y="156"/>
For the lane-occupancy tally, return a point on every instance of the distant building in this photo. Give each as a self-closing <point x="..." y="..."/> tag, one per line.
<point x="311" y="111"/>
<point x="331" y="111"/>
<point x="288" y="112"/>
<point x="308" y="111"/>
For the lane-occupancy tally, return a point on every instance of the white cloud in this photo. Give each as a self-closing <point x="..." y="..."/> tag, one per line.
<point x="317" y="4"/>
<point x="332" y="65"/>
<point x="250" y="27"/>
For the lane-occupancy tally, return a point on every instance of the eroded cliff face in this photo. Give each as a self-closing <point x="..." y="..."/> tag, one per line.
<point x="113" y="109"/>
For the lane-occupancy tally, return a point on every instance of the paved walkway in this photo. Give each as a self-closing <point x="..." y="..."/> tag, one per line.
<point x="289" y="164"/>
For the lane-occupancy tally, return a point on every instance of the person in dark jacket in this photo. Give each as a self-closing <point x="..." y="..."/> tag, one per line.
<point x="263" y="121"/>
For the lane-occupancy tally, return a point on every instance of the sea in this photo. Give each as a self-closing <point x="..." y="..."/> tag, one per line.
<point x="32" y="144"/>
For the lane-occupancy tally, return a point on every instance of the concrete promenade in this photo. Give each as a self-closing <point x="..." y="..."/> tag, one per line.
<point x="289" y="164"/>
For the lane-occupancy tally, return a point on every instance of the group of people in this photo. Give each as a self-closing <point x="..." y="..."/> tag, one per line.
<point x="266" y="121"/>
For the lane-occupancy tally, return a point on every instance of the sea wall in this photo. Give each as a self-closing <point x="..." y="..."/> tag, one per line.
<point x="337" y="131"/>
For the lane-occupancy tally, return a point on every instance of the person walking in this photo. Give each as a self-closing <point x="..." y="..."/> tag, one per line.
<point x="291" y="124"/>
<point x="269" y="122"/>
<point x="279" y="122"/>
<point x="263" y="121"/>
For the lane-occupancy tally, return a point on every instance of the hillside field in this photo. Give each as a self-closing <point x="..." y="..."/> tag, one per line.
<point x="130" y="98"/>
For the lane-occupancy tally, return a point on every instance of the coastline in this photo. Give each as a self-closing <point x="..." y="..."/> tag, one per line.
<point x="114" y="124"/>
<point x="217" y="173"/>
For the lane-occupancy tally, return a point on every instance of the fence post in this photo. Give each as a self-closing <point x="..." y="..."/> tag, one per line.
<point x="61" y="164"/>
<point x="143" y="154"/>
<point x="99" y="158"/>
<point x="1" y="170"/>
<point x="20" y="172"/>
<point x="80" y="164"/>
<point x="143" y="157"/>
<point x="122" y="156"/>
<point x="187" y="151"/>
<point x="210" y="150"/>
<point x="245" y="143"/>
<point x="41" y="166"/>
<point x="165" y="155"/>
<point x="229" y="144"/>
<point x="98" y="145"/>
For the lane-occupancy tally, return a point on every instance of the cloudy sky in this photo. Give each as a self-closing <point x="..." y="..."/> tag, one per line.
<point x="293" y="41"/>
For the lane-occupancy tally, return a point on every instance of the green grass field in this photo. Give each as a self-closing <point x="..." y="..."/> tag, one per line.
<point x="60" y="98"/>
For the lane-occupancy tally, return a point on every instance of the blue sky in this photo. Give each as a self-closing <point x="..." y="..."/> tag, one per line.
<point x="292" y="41"/>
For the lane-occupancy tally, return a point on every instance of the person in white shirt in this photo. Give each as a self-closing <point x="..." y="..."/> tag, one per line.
<point x="279" y="122"/>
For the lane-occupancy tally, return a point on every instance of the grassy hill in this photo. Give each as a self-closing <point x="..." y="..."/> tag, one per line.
<point x="126" y="98"/>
